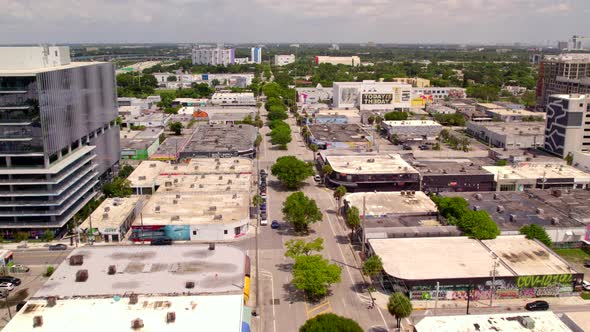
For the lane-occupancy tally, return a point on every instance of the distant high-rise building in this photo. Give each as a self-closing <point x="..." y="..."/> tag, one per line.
<point x="58" y="136"/>
<point x="563" y="74"/>
<point x="218" y="56"/>
<point x="335" y="47"/>
<point x="562" y="45"/>
<point x="566" y="129"/>
<point x="282" y="60"/>
<point x="256" y="55"/>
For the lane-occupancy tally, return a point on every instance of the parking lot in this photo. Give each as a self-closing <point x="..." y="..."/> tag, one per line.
<point x="31" y="282"/>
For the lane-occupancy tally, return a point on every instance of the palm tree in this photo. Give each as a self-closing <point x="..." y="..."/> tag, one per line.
<point x="338" y="194"/>
<point x="399" y="306"/>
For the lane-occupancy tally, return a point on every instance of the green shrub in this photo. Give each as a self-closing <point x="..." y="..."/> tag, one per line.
<point x="49" y="271"/>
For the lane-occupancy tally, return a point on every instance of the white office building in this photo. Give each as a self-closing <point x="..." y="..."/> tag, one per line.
<point x="371" y="95"/>
<point x="339" y="60"/>
<point x="213" y="56"/>
<point x="567" y="128"/>
<point x="233" y="99"/>
<point x="283" y="60"/>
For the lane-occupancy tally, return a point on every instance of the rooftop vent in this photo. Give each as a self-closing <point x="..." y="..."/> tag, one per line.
<point x="500" y="208"/>
<point x="81" y="275"/>
<point x="174" y="201"/>
<point x="213" y="208"/>
<point x="142" y="178"/>
<point x="540" y="211"/>
<point x="476" y="208"/>
<point x="107" y="209"/>
<point x="112" y="269"/>
<point x="133" y="299"/>
<point x="51" y="300"/>
<point x="556" y="193"/>
<point x="478" y="197"/>
<point x="196" y="167"/>
<point x="212" y="246"/>
<point x="189" y="284"/>
<point x="218" y="217"/>
<point x="37" y="321"/>
<point x="554" y="221"/>
<point x="137" y="324"/>
<point x="105" y="216"/>
<point x="152" y="165"/>
<point x="175" y="218"/>
<point x="513" y="218"/>
<point x="371" y="160"/>
<point x="157" y="208"/>
<point x="496" y="196"/>
<point x="175" y="180"/>
<point x="76" y="260"/>
<point x="178" y="196"/>
<point x="170" y="317"/>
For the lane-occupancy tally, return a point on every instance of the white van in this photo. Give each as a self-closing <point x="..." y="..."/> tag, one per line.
<point x="263" y="222"/>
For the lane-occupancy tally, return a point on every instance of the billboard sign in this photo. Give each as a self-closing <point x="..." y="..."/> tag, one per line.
<point x="377" y="98"/>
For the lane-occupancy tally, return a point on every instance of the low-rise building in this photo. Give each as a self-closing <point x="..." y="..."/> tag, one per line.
<point x="564" y="215"/>
<point x="154" y="119"/>
<point x="233" y="99"/>
<point x="370" y="172"/>
<point x="371" y="95"/>
<point x="140" y="144"/>
<point x="284" y="59"/>
<point x="339" y="60"/>
<point x="533" y="175"/>
<point x="120" y="288"/>
<point x="514" y="322"/>
<point x="214" y="141"/>
<point x="452" y="268"/>
<point x="508" y="114"/>
<point x="340" y="136"/>
<point x="444" y="175"/>
<point x="190" y="102"/>
<point x="310" y="96"/>
<point x="412" y="130"/>
<point x="334" y="116"/>
<point x="113" y="218"/>
<point x="467" y="108"/>
<point x="440" y="109"/>
<point x="508" y="135"/>
<point x="415" y="82"/>
<point x="438" y="93"/>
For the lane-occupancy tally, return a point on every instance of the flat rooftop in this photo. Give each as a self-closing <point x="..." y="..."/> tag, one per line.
<point x="221" y="138"/>
<point x="171" y="147"/>
<point x="338" y="111"/>
<point x="379" y="204"/>
<point x="441" y="166"/>
<point x="512" y="210"/>
<point x="369" y="164"/>
<point x="505" y="111"/>
<point x="339" y="132"/>
<point x="112" y="212"/>
<point x="149" y="133"/>
<point x="513" y="322"/>
<point x="435" y="258"/>
<point x="209" y="313"/>
<point x="153" y="172"/>
<point x="204" y="183"/>
<point x="531" y="171"/>
<point x="411" y="123"/>
<point x="513" y="128"/>
<point x="34" y="71"/>
<point x="490" y="106"/>
<point x="195" y="208"/>
<point x="149" y="270"/>
<point x="526" y="257"/>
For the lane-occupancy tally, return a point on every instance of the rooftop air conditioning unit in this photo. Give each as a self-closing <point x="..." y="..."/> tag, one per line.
<point x="499" y="208"/>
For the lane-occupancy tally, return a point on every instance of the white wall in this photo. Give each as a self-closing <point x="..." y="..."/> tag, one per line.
<point x="206" y="232"/>
<point x="26" y="58"/>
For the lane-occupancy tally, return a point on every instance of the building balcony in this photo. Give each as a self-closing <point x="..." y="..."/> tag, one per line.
<point x="56" y="191"/>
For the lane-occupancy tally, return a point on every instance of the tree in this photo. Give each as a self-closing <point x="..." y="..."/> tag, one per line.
<point x="476" y="224"/>
<point x="373" y="266"/>
<point x="119" y="187"/>
<point x="161" y="138"/>
<point x="21" y="236"/>
<point x="275" y="114"/>
<point x="502" y="162"/>
<point x="399" y="306"/>
<point x="48" y="236"/>
<point x="125" y="171"/>
<point x="297" y="248"/>
<point x="301" y="211"/>
<point x="353" y="219"/>
<point x="330" y="322"/>
<point x="258" y="140"/>
<point x="314" y="274"/>
<point x="327" y="170"/>
<point x="536" y="232"/>
<point x="281" y="136"/>
<point x="171" y="78"/>
<point x="338" y="194"/>
<point x="291" y="171"/>
<point x="176" y="127"/>
<point x="257" y="200"/>
<point x="396" y="116"/>
<point x="215" y="82"/>
<point x="569" y="159"/>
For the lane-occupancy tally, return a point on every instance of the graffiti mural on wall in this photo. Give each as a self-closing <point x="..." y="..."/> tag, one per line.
<point x="521" y="287"/>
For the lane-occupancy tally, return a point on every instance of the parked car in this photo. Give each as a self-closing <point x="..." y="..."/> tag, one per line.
<point x="263" y="194"/>
<point x="424" y="147"/>
<point x="163" y="241"/>
<point x="59" y="246"/>
<point x="262" y="207"/>
<point x="406" y="147"/>
<point x="12" y="280"/>
<point x="586" y="285"/>
<point x="19" y="268"/>
<point x="263" y="222"/>
<point x="587" y="263"/>
<point x="537" y="306"/>
<point x="317" y="178"/>
<point x="263" y="172"/>
<point x="6" y="285"/>
<point x="274" y="224"/>
<point x="263" y="215"/>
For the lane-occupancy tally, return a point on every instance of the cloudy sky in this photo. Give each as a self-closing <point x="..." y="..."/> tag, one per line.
<point x="387" y="21"/>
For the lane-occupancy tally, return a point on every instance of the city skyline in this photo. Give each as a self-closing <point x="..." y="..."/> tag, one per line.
<point x="306" y="21"/>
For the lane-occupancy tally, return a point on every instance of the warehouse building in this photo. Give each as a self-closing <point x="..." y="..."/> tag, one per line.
<point x="513" y="322"/>
<point x="148" y="288"/>
<point x="112" y="219"/>
<point x="452" y="268"/>
<point x="533" y="175"/>
<point x="140" y="145"/>
<point x="508" y="135"/>
<point x="340" y="136"/>
<point x="220" y="141"/>
<point x="233" y="99"/>
<point x="370" y="172"/>
<point x="334" y="116"/>
<point x="563" y="215"/>
<point x="460" y="175"/>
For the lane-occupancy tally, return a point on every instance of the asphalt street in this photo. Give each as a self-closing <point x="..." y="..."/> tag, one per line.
<point x="40" y="256"/>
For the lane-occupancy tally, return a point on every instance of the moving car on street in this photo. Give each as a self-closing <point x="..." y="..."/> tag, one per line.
<point x="274" y="224"/>
<point x="59" y="246"/>
<point x="537" y="306"/>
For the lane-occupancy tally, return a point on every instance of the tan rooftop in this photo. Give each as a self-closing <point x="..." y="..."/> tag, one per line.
<point x="393" y="203"/>
<point x="369" y="164"/>
<point x="531" y="171"/>
<point x="112" y="212"/>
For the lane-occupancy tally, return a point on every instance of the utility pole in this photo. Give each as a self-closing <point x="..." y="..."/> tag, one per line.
<point x="468" y="297"/>
<point x="91" y="238"/>
<point x="141" y="218"/>
<point x="364" y="229"/>
<point x="494" y="272"/>
<point x="436" y="298"/>
<point x="7" y="305"/>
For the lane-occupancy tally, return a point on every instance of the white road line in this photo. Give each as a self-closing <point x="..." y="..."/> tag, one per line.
<point x="272" y="289"/>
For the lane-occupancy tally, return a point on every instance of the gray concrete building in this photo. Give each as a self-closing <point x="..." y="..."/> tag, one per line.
<point x="508" y="135"/>
<point x="57" y="136"/>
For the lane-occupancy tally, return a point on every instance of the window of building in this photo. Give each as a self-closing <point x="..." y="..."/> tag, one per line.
<point x="225" y="231"/>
